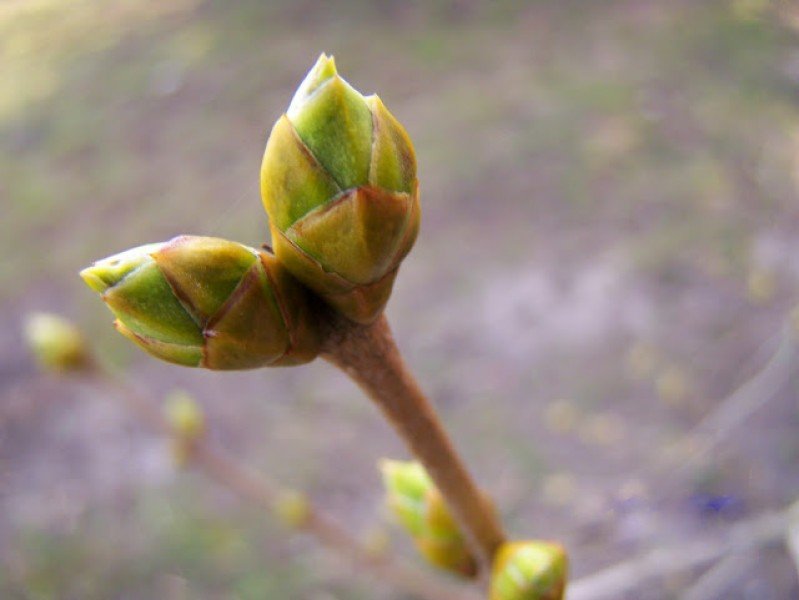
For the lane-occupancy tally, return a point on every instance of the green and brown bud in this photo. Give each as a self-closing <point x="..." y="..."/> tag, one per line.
<point x="419" y="507"/>
<point x="338" y="181"/>
<point x="531" y="570"/>
<point x="56" y="343"/>
<point x="207" y="302"/>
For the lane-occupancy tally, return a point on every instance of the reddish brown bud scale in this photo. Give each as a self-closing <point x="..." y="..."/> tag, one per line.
<point x="338" y="181"/>
<point x="207" y="302"/>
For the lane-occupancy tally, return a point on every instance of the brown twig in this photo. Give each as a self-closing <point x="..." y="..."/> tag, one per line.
<point x="256" y="488"/>
<point x="253" y="487"/>
<point x="726" y="573"/>
<point x="369" y="355"/>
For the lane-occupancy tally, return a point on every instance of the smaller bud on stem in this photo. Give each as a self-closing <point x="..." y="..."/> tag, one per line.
<point x="418" y="506"/>
<point x="531" y="570"/>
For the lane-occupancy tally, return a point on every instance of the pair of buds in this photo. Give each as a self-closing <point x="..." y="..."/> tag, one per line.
<point x="338" y="182"/>
<point x="522" y="570"/>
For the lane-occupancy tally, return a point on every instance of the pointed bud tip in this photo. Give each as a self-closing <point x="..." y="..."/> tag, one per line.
<point x="108" y="272"/>
<point x="406" y="477"/>
<point x="388" y="466"/>
<point x="323" y="70"/>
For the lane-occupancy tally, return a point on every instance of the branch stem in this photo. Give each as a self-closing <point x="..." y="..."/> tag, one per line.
<point x="369" y="355"/>
<point x="253" y="487"/>
<point x="258" y="489"/>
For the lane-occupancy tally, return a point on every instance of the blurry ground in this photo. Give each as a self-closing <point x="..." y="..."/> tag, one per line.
<point x="608" y="251"/>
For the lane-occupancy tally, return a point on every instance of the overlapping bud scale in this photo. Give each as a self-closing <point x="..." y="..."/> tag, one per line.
<point x="338" y="181"/>
<point x="208" y="302"/>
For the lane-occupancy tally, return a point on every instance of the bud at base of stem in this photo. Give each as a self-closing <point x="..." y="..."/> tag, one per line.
<point x="529" y="570"/>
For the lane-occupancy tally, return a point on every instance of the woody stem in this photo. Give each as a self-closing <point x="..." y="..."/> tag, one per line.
<point x="369" y="355"/>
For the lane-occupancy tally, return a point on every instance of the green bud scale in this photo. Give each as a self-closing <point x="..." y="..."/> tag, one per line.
<point x="338" y="181"/>
<point x="531" y="570"/>
<point x="419" y="507"/>
<point x="208" y="302"/>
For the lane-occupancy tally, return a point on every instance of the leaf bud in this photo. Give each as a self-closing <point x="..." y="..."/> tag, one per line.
<point x="208" y="302"/>
<point x="338" y="181"/>
<point x="419" y="507"/>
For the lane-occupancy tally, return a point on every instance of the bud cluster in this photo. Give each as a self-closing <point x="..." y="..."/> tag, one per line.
<point x="338" y="181"/>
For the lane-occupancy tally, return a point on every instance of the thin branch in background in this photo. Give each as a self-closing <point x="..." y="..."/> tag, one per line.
<point x="792" y="535"/>
<point x="256" y="488"/>
<point x="730" y="412"/>
<point x="720" y="577"/>
<point x="743" y="402"/>
<point x="627" y="576"/>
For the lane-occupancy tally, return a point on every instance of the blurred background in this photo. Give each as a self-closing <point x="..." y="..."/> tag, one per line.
<point x="600" y="300"/>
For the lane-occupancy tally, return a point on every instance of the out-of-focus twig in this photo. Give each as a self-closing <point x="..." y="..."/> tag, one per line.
<point x="742" y="403"/>
<point x="792" y="534"/>
<point x="629" y="575"/>
<point x="256" y="488"/>
<point x="719" y="577"/>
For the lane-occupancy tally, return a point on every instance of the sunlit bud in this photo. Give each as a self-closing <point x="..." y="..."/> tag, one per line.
<point x="338" y="181"/>
<point x="207" y="302"/>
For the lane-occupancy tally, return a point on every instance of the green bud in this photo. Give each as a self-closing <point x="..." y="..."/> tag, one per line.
<point x="406" y="484"/>
<point x="55" y="342"/>
<point x="419" y="507"/>
<point x="207" y="302"/>
<point x="532" y="570"/>
<point x="338" y="181"/>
